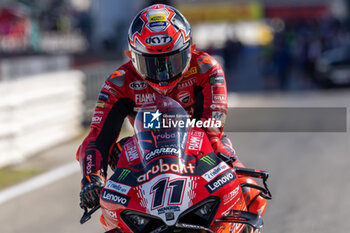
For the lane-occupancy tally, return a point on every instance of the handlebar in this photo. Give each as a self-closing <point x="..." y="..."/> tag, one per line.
<point x="264" y="175"/>
<point x="87" y="213"/>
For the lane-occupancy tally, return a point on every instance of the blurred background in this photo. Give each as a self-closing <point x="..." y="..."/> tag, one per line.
<point x="56" y="54"/>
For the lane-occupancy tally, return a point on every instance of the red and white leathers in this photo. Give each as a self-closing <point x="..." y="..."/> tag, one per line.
<point x="201" y="91"/>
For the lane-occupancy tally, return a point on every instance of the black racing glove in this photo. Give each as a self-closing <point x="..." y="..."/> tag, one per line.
<point x="116" y="151"/>
<point x="90" y="190"/>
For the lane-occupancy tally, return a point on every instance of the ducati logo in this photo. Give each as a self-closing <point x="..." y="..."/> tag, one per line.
<point x="184" y="97"/>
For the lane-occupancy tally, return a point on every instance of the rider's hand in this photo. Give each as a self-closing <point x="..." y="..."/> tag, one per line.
<point x="223" y="149"/>
<point x="90" y="190"/>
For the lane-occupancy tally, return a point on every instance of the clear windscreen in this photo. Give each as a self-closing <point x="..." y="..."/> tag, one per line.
<point x="161" y="128"/>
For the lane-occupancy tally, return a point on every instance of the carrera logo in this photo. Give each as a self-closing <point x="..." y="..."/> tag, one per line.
<point x="221" y="181"/>
<point x="214" y="172"/>
<point x="159" y="39"/>
<point x="161" y="151"/>
<point x="120" y="188"/>
<point x="138" y="85"/>
<point x="115" y="198"/>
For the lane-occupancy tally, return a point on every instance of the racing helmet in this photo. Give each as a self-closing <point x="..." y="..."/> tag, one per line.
<point x="160" y="46"/>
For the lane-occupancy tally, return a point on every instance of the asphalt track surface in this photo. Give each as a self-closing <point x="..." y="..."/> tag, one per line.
<point x="309" y="179"/>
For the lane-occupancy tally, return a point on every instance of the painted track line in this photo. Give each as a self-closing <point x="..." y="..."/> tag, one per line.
<point x="39" y="181"/>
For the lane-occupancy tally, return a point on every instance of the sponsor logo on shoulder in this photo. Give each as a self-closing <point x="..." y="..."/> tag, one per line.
<point x="220" y="181"/>
<point x="214" y="172"/>
<point x="218" y="79"/>
<point x="117" y="78"/>
<point x="103" y="96"/>
<point x="191" y="71"/>
<point x="138" y="85"/>
<point x="218" y="94"/>
<point x="219" y="99"/>
<point x="115" y="198"/>
<point x="100" y="104"/>
<point x="219" y="116"/>
<point x="106" y="86"/>
<point x="120" y="188"/>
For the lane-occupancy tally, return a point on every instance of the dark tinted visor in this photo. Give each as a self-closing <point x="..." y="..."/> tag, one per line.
<point x="163" y="67"/>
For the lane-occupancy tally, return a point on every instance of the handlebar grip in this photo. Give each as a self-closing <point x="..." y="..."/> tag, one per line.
<point x="252" y="172"/>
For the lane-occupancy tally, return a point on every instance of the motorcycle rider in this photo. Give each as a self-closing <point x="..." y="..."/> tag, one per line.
<point x="163" y="61"/>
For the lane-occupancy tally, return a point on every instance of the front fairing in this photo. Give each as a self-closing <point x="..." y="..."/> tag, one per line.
<point x="165" y="170"/>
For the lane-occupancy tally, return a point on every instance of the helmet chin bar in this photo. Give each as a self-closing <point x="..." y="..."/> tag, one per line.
<point x="167" y="89"/>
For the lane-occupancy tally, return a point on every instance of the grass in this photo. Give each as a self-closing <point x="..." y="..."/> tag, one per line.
<point x="10" y="176"/>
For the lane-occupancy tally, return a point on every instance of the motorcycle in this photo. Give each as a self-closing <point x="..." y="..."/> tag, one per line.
<point x="168" y="179"/>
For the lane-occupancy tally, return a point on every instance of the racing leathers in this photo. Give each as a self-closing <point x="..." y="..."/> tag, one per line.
<point x="202" y="92"/>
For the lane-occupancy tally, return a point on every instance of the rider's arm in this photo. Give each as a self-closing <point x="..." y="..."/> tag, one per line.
<point x="212" y="93"/>
<point x="111" y="109"/>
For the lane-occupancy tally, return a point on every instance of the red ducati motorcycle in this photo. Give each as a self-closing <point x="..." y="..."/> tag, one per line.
<point x="168" y="179"/>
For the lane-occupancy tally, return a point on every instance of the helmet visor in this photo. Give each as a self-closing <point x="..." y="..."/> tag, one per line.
<point x="162" y="68"/>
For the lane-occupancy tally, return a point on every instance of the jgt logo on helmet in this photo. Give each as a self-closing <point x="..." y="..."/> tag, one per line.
<point x="159" y="39"/>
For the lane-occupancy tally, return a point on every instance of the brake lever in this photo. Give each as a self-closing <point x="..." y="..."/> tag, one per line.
<point x="264" y="175"/>
<point x="87" y="214"/>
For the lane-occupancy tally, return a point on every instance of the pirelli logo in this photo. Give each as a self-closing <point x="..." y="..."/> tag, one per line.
<point x="157" y="18"/>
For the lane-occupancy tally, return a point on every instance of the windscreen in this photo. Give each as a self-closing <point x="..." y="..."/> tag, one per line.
<point x="161" y="128"/>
